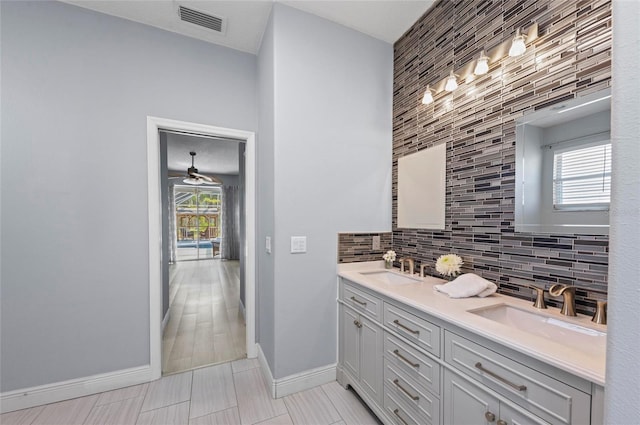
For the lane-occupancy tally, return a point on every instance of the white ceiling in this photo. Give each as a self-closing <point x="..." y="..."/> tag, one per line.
<point x="213" y="156"/>
<point x="246" y="20"/>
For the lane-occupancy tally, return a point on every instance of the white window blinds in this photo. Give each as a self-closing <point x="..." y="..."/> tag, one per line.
<point x="582" y="177"/>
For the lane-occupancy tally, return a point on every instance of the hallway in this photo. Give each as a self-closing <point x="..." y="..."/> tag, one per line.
<point x="205" y="325"/>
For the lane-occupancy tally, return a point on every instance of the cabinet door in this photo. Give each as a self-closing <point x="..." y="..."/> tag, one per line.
<point x="350" y="344"/>
<point x="371" y="358"/>
<point x="466" y="404"/>
<point x="510" y="416"/>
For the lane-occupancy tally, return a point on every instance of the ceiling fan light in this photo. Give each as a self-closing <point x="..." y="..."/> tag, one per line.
<point x="192" y="180"/>
<point x="517" y="45"/>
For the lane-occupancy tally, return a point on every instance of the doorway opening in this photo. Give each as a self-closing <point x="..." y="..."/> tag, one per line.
<point x="198" y="222"/>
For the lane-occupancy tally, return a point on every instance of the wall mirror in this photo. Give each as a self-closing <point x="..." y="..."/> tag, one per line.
<point x="563" y="167"/>
<point x="422" y="189"/>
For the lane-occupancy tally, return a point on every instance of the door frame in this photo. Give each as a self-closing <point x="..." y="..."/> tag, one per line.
<point x="154" y="205"/>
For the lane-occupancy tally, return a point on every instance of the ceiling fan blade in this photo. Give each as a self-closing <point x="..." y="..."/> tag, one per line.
<point x="176" y="174"/>
<point x="207" y="178"/>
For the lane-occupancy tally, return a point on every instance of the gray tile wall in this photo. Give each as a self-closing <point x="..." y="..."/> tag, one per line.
<point x="571" y="58"/>
<point x="356" y="247"/>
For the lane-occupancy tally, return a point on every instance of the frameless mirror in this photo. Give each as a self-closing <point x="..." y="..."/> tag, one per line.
<point x="563" y="167"/>
<point x="421" y="189"/>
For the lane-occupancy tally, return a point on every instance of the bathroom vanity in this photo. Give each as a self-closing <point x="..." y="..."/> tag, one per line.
<point x="415" y="356"/>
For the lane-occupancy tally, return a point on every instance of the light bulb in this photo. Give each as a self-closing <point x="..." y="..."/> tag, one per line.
<point x="428" y="97"/>
<point x="517" y="45"/>
<point x="482" y="66"/>
<point x="451" y="84"/>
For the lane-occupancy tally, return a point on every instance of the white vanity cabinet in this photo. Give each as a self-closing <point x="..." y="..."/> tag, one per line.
<point x="412" y="367"/>
<point x="465" y="403"/>
<point x="361" y="343"/>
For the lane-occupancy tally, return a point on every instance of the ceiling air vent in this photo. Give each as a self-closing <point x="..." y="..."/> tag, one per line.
<point x="202" y="19"/>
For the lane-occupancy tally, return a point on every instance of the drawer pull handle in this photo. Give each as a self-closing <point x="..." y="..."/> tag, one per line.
<point x="404" y="390"/>
<point x="500" y="378"/>
<point x="397" y="413"/>
<point x="406" y="360"/>
<point x="489" y="416"/>
<point x="357" y="323"/>
<point x="358" y="301"/>
<point x="501" y="422"/>
<point x="397" y="322"/>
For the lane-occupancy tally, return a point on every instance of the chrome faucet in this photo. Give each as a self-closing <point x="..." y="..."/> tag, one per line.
<point x="569" y="295"/>
<point x="410" y="262"/>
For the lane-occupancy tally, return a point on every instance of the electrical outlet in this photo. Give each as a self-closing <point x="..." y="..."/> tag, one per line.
<point x="376" y="242"/>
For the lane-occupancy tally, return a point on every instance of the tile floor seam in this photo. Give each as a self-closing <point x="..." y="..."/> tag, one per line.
<point x="333" y="404"/>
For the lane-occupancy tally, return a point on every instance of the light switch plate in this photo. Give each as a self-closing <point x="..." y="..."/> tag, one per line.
<point x="298" y="244"/>
<point x="268" y="244"/>
<point x="376" y="242"/>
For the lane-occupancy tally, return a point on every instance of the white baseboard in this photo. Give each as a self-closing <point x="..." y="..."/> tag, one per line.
<point x="266" y="371"/>
<point x="73" y="388"/>
<point x="305" y="380"/>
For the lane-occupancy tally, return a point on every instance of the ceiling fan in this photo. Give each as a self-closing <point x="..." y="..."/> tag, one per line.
<point x="195" y="178"/>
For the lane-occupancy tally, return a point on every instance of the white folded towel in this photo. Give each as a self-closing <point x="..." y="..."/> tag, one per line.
<point x="468" y="285"/>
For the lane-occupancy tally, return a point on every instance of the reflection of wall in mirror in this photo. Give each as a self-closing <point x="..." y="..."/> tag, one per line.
<point x="538" y="137"/>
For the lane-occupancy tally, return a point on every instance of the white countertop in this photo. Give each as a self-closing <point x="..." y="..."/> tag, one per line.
<point x="585" y="362"/>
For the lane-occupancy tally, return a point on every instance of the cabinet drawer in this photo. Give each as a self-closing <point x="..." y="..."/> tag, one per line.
<point x="403" y="414"/>
<point x="544" y="396"/>
<point x="417" y="330"/>
<point x="405" y="390"/>
<point x="362" y="301"/>
<point x="412" y="362"/>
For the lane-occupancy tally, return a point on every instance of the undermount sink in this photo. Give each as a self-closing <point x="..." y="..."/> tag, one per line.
<point x="546" y="326"/>
<point x="392" y="278"/>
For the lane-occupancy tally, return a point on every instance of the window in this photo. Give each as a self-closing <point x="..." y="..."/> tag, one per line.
<point x="582" y="177"/>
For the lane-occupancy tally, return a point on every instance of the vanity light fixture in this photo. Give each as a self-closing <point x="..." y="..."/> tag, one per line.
<point x="517" y="45"/>
<point x="452" y="82"/>
<point x="482" y="66"/>
<point x="428" y="96"/>
<point x="514" y="46"/>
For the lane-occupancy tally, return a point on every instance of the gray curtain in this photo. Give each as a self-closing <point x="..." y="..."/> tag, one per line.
<point x="230" y="244"/>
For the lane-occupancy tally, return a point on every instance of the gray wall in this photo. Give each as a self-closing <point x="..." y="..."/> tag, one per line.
<point x="623" y="339"/>
<point x="332" y="139"/>
<point x="77" y="88"/>
<point x="265" y="284"/>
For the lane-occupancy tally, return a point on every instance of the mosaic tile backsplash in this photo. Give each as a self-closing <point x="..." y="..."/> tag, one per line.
<point x="357" y="247"/>
<point x="571" y="57"/>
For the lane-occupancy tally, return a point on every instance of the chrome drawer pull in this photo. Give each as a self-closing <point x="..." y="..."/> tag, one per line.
<point x="358" y="301"/>
<point x="406" y="360"/>
<point x="397" y="322"/>
<point x="500" y="378"/>
<point x="404" y="390"/>
<point x="357" y="323"/>
<point x="397" y="413"/>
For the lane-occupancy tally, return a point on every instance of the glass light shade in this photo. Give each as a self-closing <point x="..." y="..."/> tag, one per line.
<point x="193" y="181"/>
<point x="482" y="66"/>
<point x="428" y="97"/>
<point x="451" y="84"/>
<point x="517" y="45"/>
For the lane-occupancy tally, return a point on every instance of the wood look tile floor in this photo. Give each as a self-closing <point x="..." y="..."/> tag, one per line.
<point x="205" y="323"/>
<point x="224" y="394"/>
